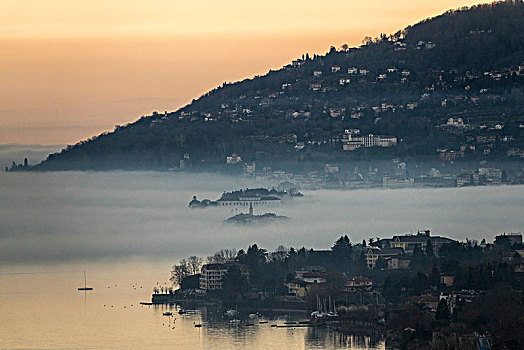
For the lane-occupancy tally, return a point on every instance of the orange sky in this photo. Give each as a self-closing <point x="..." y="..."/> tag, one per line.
<point x="72" y="69"/>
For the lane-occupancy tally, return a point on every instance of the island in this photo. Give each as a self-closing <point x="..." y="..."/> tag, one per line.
<point x="253" y="196"/>
<point x="250" y="218"/>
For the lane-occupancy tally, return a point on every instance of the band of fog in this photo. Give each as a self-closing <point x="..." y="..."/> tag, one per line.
<point x="117" y="215"/>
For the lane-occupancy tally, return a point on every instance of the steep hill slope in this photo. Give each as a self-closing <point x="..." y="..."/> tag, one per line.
<point x="449" y="86"/>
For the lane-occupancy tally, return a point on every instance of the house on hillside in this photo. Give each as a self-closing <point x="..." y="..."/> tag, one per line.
<point x="513" y="238"/>
<point x="372" y="254"/>
<point x="409" y="242"/>
<point x="447" y="280"/>
<point x="398" y="262"/>
<point x="305" y="277"/>
<point x="297" y="288"/>
<point x="352" y="141"/>
<point x="233" y="159"/>
<point x="357" y="283"/>
<point x="315" y="86"/>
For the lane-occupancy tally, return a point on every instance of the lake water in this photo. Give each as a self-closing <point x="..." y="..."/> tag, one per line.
<point x="127" y="228"/>
<point x="43" y="310"/>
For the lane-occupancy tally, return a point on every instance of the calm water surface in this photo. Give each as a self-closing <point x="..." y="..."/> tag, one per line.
<point x="41" y="309"/>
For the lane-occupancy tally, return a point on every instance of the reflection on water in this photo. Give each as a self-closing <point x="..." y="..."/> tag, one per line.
<point x="42" y="308"/>
<point x="260" y="333"/>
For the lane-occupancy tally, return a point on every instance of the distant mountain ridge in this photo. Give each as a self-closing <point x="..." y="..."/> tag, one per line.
<point x="449" y="87"/>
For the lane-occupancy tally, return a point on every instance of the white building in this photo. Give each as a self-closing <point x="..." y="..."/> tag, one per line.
<point x="350" y="141"/>
<point x="233" y="159"/>
<point x="211" y="276"/>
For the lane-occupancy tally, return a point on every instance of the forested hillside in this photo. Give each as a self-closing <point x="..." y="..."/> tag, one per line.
<point x="450" y="87"/>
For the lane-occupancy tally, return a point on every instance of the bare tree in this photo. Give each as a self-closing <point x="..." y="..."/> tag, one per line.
<point x="179" y="272"/>
<point x="194" y="263"/>
<point x="222" y="256"/>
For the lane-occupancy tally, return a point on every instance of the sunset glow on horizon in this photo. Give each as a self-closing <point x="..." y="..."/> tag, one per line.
<point x="71" y="70"/>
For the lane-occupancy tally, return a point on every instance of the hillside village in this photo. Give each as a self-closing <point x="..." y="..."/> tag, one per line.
<point x="449" y="88"/>
<point x="457" y="114"/>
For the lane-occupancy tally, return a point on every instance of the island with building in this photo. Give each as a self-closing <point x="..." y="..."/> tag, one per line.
<point x="252" y="219"/>
<point x="426" y="291"/>
<point x="249" y="197"/>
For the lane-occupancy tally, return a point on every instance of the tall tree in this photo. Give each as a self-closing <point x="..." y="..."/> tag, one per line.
<point x="442" y="313"/>
<point x="194" y="263"/>
<point x="342" y="252"/>
<point x="429" y="249"/>
<point x="434" y="276"/>
<point x="255" y="256"/>
<point x="179" y="272"/>
<point x="235" y="283"/>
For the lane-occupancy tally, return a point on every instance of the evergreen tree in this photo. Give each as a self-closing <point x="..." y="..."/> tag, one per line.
<point x="418" y="259"/>
<point x="434" y="276"/>
<point x="235" y="283"/>
<point x="442" y="313"/>
<point x="341" y="253"/>
<point x="429" y="249"/>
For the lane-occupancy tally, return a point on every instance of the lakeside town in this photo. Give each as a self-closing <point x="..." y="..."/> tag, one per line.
<point x="393" y="174"/>
<point x="262" y="175"/>
<point x="424" y="291"/>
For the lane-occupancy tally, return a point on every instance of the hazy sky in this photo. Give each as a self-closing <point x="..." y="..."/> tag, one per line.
<point x="71" y="69"/>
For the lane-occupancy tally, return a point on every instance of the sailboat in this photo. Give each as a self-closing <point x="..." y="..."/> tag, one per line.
<point x="85" y="287"/>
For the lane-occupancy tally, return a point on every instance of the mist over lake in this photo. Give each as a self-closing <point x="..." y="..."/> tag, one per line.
<point x="55" y="217"/>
